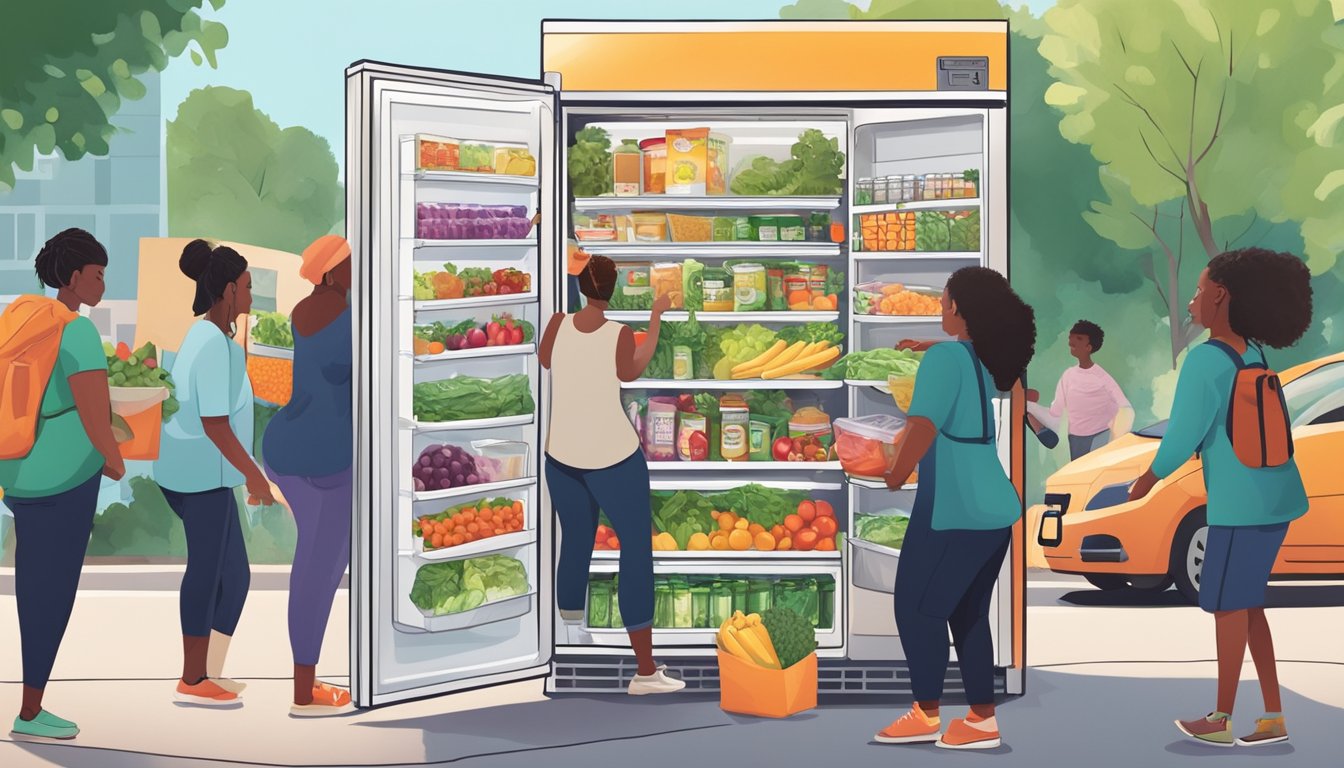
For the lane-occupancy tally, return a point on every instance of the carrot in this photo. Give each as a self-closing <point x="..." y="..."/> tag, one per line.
<point x="473" y="528"/>
<point x="457" y="539"/>
<point x="518" y="507"/>
<point x="468" y="537"/>
<point x="436" y="541"/>
<point x="460" y="529"/>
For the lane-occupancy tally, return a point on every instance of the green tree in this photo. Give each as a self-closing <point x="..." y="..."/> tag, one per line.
<point x="233" y="174"/>
<point x="1209" y="116"/>
<point x="66" y="66"/>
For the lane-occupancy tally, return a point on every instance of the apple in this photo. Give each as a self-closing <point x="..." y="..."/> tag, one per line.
<point x="475" y="338"/>
<point x="782" y="449"/>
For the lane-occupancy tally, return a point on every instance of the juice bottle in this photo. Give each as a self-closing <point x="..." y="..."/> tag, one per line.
<point x="625" y="169"/>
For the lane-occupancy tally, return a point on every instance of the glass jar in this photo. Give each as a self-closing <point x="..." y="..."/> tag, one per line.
<point x="760" y="595"/>
<point x="700" y="607"/>
<point x="739" y="595"/>
<point x="880" y="191"/>
<point x="720" y="603"/>
<point x="826" y="604"/>
<point x="599" y="603"/>
<point x="682" y="615"/>
<point x="863" y="192"/>
<point x="616" y="621"/>
<point x="655" y="165"/>
<point x="663" y="617"/>
<point x="625" y="169"/>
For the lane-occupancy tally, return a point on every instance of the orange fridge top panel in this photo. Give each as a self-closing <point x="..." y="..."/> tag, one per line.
<point x="766" y="56"/>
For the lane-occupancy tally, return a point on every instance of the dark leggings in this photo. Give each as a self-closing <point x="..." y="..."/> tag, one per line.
<point x="215" y="584"/>
<point x="946" y="579"/>
<point x="51" y="535"/>
<point x="622" y="491"/>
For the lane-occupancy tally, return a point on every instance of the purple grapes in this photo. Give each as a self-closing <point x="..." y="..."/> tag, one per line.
<point x="440" y="467"/>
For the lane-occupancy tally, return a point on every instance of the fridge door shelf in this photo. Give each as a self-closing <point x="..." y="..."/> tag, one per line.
<point x="471" y="424"/>
<point x="974" y="257"/>
<point x="500" y="610"/>
<point x="899" y="319"/>
<point x="480" y="489"/>
<point x="490" y="546"/>
<point x="880" y="386"/>
<point x="876" y="484"/>
<point x="948" y="204"/>
<point x="442" y="305"/>
<point x="727" y="384"/>
<point x="707" y="203"/>
<point x="468" y="354"/>
<point x="527" y="183"/>
<point x="730" y="317"/>
<point x="724" y="558"/>
<point x="744" y="466"/>
<point x="725" y="250"/>
<point x="529" y="242"/>
<point x="873" y="566"/>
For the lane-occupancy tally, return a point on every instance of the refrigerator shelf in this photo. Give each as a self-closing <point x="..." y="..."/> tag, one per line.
<point x="730" y="556"/>
<point x="951" y="204"/>
<point x="898" y="319"/>
<point x="492" y="545"/>
<point x="685" y="635"/>
<point x="470" y="424"/>
<point x="500" y="610"/>
<point x="917" y="256"/>
<point x="731" y="317"/>
<point x="880" y="386"/>
<point x="719" y="249"/>
<point x="744" y="466"/>
<point x="876" y="485"/>
<point x="480" y="489"/>
<point x="469" y="354"/>
<point x="707" y="203"/>
<point x="691" y="484"/>
<point x="530" y="242"/>
<point x="724" y="385"/>
<point x="444" y="305"/>
<point x="465" y="177"/>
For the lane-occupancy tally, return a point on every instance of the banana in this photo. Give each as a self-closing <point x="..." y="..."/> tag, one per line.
<point x="754" y="620"/>
<point x="764" y="636"/>
<point x="783" y="358"/>
<point x="752" y="643"/>
<point x="760" y="360"/>
<point x="733" y="646"/>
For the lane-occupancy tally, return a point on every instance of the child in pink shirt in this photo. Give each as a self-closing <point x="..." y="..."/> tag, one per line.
<point x="1087" y="392"/>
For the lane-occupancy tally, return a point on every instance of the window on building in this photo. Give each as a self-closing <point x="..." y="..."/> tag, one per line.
<point x="9" y="249"/>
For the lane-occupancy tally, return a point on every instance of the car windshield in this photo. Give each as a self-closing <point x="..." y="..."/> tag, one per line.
<point x="1317" y="397"/>
<point x="1155" y="431"/>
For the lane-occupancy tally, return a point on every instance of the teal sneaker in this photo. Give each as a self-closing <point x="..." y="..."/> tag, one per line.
<point x="45" y="726"/>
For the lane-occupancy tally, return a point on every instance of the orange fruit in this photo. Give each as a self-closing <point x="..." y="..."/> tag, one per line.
<point x="824" y="509"/>
<point x="613" y="543"/>
<point x="777" y="532"/>
<point x="436" y="348"/>
<point x="726" y="521"/>
<point x="824" y="526"/>
<point x="718" y="541"/>
<point x="808" y="511"/>
<point x="793" y="523"/>
<point x="765" y="542"/>
<point x="784" y="543"/>
<point x="806" y="539"/>
<point x="826" y="545"/>
<point x="742" y="524"/>
<point x="755" y="529"/>
<point x="739" y="540"/>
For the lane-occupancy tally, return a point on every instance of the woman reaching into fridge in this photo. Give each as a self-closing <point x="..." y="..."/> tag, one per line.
<point x="594" y="460"/>
<point x="308" y="452"/>
<point x="961" y="524"/>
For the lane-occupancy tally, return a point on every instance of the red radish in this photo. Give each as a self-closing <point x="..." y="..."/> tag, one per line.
<point x="151" y="363"/>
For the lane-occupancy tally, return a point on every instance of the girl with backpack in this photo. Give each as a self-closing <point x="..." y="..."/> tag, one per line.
<point x="56" y="443"/>
<point x="204" y="455"/>
<point x="1229" y="409"/>
<point x="961" y="524"/>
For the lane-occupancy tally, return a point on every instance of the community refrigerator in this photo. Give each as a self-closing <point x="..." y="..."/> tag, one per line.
<point x="908" y="103"/>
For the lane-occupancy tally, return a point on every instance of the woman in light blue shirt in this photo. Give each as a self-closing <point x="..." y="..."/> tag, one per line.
<point x="1245" y="298"/>
<point x="204" y="456"/>
<point x="961" y="523"/>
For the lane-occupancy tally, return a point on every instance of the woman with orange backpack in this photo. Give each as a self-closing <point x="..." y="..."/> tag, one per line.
<point x="53" y="453"/>
<point x="1229" y="409"/>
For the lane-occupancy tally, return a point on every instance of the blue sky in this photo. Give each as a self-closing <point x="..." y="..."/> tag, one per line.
<point x="292" y="54"/>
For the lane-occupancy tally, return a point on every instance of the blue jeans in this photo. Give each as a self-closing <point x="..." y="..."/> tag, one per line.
<point x="215" y="584"/>
<point x="1081" y="445"/>
<point x="622" y="491"/>
<point x="945" y="579"/>
<point x="50" y="536"/>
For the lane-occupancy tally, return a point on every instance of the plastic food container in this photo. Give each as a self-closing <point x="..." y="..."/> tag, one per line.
<point x="866" y="445"/>
<point x="690" y="229"/>
<point x="650" y="227"/>
<point x="513" y="159"/>
<point x="716" y="177"/>
<point x="764" y="229"/>
<point x="665" y="279"/>
<point x="508" y="458"/>
<point x="436" y="153"/>
<point x="655" y="165"/>
<point x="791" y="228"/>
<point x="477" y="156"/>
<point x="749" y="288"/>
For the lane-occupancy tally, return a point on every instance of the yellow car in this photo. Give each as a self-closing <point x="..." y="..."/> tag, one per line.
<point x="1087" y="525"/>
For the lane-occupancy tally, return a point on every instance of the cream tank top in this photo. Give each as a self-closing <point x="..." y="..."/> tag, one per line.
<point x="589" y="429"/>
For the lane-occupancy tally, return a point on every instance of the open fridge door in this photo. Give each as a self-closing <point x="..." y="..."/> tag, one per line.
<point x="929" y="186"/>
<point x="453" y="276"/>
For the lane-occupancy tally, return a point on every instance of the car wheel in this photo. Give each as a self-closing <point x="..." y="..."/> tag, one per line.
<point x="1188" y="549"/>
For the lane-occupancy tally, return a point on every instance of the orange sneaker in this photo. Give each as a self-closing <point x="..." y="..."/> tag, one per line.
<point x="914" y="727"/>
<point x="965" y="734"/>
<point x="328" y="701"/>
<point x="206" y="693"/>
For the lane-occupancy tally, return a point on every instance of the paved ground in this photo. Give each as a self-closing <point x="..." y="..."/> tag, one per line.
<point x="1109" y="674"/>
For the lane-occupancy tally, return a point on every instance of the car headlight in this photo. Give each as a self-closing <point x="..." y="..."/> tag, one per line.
<point x="1112" y="495"/>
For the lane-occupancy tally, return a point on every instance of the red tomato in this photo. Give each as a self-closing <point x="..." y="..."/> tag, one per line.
<point x="824" y="526"/>
<point x="805" y="539"/>
<point x="808" y="511"/>
<point x="824" y="509"/>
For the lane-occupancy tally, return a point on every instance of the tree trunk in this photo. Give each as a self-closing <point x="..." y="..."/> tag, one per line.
<point x="1174" y="308"/>
<point x="1199" y="215"/>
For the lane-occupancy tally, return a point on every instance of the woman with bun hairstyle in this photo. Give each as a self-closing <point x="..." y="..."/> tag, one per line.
<point x="308" y="449"/>
<point x="965" y="507"/>
<point x="203" y="456"/>
<point x="57" y="445"/>
<point x="594" y="460"/>
<point x="1246" y="299"/>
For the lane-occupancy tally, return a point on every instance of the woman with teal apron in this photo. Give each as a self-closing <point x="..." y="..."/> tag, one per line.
<point x="965" y="507"/>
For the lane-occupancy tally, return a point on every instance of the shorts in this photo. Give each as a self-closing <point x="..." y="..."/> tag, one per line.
<point x="1237" y="564"/>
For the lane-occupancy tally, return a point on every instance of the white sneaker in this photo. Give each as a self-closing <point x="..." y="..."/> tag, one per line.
<point x="658" y="682"/>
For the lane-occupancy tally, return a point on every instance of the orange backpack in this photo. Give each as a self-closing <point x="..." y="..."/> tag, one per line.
<point x="1258" y="424"/>
<point x="30" y="340"/>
